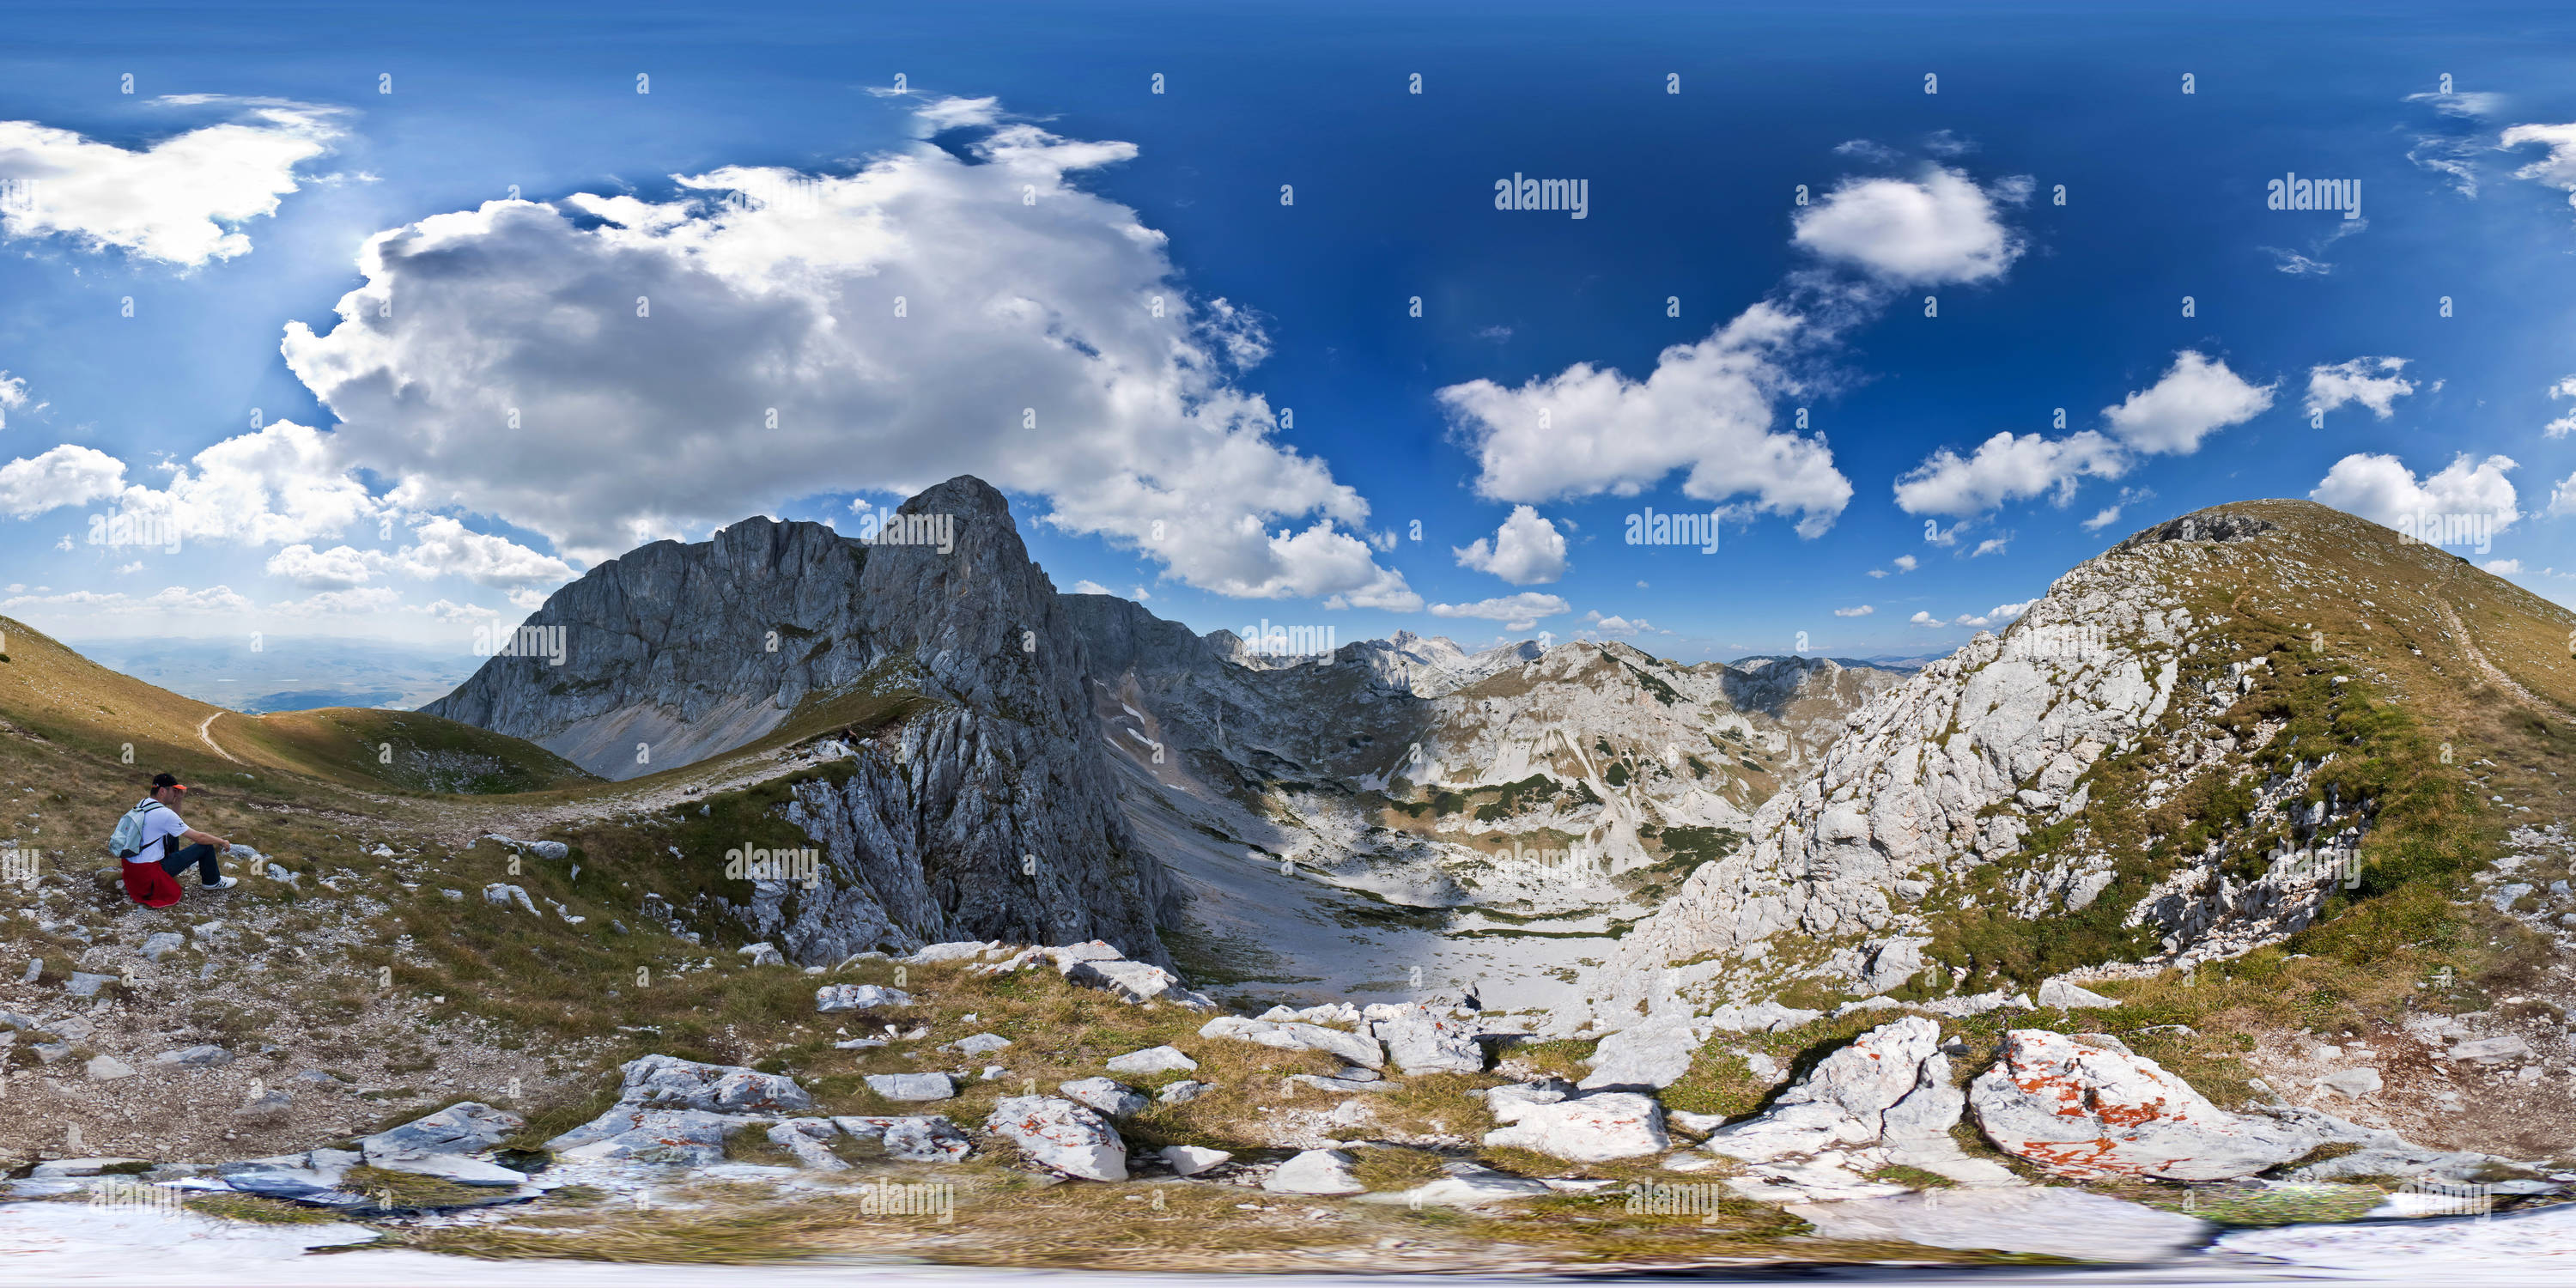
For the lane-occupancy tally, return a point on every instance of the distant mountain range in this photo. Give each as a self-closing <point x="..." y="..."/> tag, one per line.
<point x="287" y="674"/>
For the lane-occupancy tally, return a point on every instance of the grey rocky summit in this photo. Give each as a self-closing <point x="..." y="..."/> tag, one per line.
<point x="694" y="650"/>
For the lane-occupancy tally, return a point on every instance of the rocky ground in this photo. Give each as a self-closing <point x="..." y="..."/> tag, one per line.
<point x="986" y="1104"/>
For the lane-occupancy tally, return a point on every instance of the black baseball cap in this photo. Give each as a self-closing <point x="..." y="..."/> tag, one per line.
<point x="160" y="781"/>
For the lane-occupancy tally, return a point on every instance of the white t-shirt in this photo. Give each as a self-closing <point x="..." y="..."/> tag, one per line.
<point x="159" y="822"/>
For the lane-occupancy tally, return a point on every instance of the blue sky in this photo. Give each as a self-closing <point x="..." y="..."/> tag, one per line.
<point x="1264" y="447"/>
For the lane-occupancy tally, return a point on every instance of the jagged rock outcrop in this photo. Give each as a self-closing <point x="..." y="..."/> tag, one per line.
<point x="986" y="811"/>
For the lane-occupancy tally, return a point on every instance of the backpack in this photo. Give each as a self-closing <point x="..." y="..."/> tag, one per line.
<point x="127" y="840"/>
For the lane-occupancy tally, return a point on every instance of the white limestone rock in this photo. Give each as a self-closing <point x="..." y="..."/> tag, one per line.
<point x="1152" y="1060"/>
<point x="2083" y="1110"/>
<point x="1423" y="1042"/>
<point x="1594" y="1128"/>
<point x="1062" y="1135"/>
<point x="1316" y="1171"/>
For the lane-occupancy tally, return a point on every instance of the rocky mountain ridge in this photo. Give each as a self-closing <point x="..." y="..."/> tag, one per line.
<point x="974" y="802"/>
<point x="2150" y="732"/>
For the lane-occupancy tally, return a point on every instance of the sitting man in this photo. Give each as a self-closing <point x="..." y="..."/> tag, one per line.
<point x="152" y="866"/>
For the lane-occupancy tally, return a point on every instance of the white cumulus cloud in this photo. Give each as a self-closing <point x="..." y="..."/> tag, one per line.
<point x="1526" y="551"/>
<point x="1862" y="611"/>
<point x="182" y="200"/>
<point x="1928" y="231"/>
<point x="767" y="335"/>
<point x="1516" y="612"/>
<point x="337" y="568"/>
<point x="2196" y="396"/>
<point x="65" y="475"/>
<point x="2371" y="382"/>
<point x="445" y="547"/>
<point x="2382" y="490"/>
<point x="1706" y="408"/>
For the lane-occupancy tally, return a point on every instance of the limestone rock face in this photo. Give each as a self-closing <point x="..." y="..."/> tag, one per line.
<point x="1943" y="773"/>
<point x="1422" y="1042"/>
<point x="1594" y="1128"/>
<point x="1316" y="1171"/>
<point x="1062" y="1135"/>
<point x="987" y="812"/>
<point x="1884" y="1099"/>
<point x="667" y="1082"/>
<point x="2090" y="1110"/>
<point x="458" y="1129"/>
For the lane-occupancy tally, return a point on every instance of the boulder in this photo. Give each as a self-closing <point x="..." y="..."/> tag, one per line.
<point x="1843" y="1101"/>
<point x="1761" y="1017"/>
<point x="107" y="1068"/>
<point x="2039" y="1220"/>
<point x="461" y="1128"/>
<point x="1422" y="1042"/>
<point x="1183" y="1091"/>
<point x="1190" y="1160"/>
<point x="688" y="1137"/>
<point x="451" y="1167"/>
<point x="1362" y="1051"/>
<point x="1653" y="1054"/>
<point x="2491" y="1050"/>
<point x="1152" y="1060"/>
<point x="808" y="1139"/>
<point x="2060" y="995"/>
<point x="926" y="1138"/>
<point x="954" y="951"/>
<point x="978" y="1044"/>
<point x="313" y="1177"/>
<point x="918" y="1138"/>
<point x="1110" y="1097"/>
<point x="1062" y="1135"/>
<point x="1136" y="982"/>
<point x="1316" y="1171"/>
<point x="1466" y="1185"/>
<point x="85" y="984"/>
<point x="80" y="1167"/>
<point x="667" y="1082"/>
<point x="671" y="1110"/>
<point x="912" y="1086"/>
<point x="761" y="954"/>
<point x="196" y="1057"/>
<point x="831" y="998"/>
<point x="161" y="944"/>
<point x="1594" y="1128"/>
<point x="2085" y="1111"/>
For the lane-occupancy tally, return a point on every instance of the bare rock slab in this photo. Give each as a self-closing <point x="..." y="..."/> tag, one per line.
<point x="2089" y="1112"/>
<point x="2054" y="1222"/>
<point x="1060" y="1134"/>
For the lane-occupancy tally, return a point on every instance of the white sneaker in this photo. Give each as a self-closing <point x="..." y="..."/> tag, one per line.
<point x="226" y="884"/>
